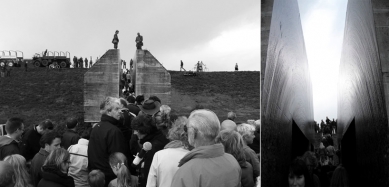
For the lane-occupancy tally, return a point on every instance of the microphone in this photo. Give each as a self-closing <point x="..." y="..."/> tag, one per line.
<point x="139" y="157"/>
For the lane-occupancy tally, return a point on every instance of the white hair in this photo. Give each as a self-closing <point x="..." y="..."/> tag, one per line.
<point x="245" y="129"/>
<point x="108" y="104"/>
<point x="206" y="123"/>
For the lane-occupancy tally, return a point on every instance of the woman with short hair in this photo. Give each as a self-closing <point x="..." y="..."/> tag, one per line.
<point x="165" y="162"/>
<point x="247" y="132"/>
<point x="18" y="162"/>
<point x="233" y="144"/>
<point x="55" y="170"/>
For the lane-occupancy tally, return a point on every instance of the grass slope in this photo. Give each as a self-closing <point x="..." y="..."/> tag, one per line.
<point x="51" y="94"/>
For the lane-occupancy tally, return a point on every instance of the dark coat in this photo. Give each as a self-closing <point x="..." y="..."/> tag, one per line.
<point x="133" y="108"/>
<point x="105" y="139"/>
<point x="158" y="142"/>
<point x="8" y="146"/>
<point x="69" y="138"/>
<point x="253" y="159"/>
<point x="51" y="177"/>
<point x="36" y="164"/>
<point x="30" y="143"/>
<point x="247" y="179"/>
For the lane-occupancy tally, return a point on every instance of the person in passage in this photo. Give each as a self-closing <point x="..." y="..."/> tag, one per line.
<point x="78" y="168"/>
<point x="118" y="163"/>
<point x="233" y="144"/>
<point x="247" y="132"/>
<point x="145" y="129"/>
<point x="106" y="138"/>
<point x="48" y="142"/>
<point x="339" y="177"/>
<point x="9" y="143"/>
<point x="165" y="162"/>
<point x="298" y="174"/>
<point x="70" y="136"/>
<point x="311" y="163"/>
<point x="55" y="170"/>
<point x="18" y="162"/>
<point x="207" y="164"/>
<point x="96" y="178"/>
<point x="7" y="174"/>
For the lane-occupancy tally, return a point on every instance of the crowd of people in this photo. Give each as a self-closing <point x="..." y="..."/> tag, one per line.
<point x="319" y="168"/>
<point x="80" y="63"/>
<point x="138" y="142"/>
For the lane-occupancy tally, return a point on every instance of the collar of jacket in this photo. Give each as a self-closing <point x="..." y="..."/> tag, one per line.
<point x="109" y="119"/>
<point x="43" y="152"/>
<point x="83" y="141"/>
<point x="210" y="151"/>
<point x="150" y="136"/>
<point x="51" y="173"/>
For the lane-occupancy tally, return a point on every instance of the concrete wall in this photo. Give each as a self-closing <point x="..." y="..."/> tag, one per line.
<point x="286" y="93"/>
<point x="151" y="78"/>
<point x="361" y="96"/>
<point x="100" y="81"/>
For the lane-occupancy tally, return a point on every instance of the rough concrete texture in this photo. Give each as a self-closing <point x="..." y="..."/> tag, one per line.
<point x="286" y="105"/>
<point x="151" y="78"/>
<point x="100" y="81"/>
<point x="362" y="108"/>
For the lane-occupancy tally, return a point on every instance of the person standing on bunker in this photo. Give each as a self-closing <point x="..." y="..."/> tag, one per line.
<point x="139" y="41"/>
<point x="115" y="39"/>
<point x="86" y="63"/>
<point x="236" y="67"/>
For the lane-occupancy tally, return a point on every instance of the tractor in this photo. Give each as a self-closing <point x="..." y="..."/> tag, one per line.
<point x="11" y="59"/>
<point x="47" y="58"/>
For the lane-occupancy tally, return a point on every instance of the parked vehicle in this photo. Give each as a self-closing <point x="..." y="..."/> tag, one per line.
<point x="11" y="58"/>
<point x="48" y="57"/>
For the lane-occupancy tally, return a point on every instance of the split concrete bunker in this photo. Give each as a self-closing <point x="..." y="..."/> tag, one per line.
<point x="363" y="92"/>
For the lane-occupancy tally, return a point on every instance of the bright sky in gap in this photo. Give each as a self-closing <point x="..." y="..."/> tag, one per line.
<point x="219" y="32"/>
<point x="323" y="27"/>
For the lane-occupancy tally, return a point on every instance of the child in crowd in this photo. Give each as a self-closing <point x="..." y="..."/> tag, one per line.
<point x="118" y="164"/>
<point x="96" y="178"/>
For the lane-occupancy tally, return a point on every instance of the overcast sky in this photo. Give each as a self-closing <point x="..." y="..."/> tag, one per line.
<point x="219" y="32"/>
<point x="323" y="28"/>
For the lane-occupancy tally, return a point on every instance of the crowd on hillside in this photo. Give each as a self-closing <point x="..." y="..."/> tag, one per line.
<point x="138" y="142"/>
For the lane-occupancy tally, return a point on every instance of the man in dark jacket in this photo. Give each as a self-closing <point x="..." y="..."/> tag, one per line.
<point x="115" y="39"/>
<point x="70" y="137"/>
<point x="48" y="142"/>
<point x="106" y="138"/>
<point x="30" y="141"/>
<point x="75" y="62"/>
<point x="8" y="143"/>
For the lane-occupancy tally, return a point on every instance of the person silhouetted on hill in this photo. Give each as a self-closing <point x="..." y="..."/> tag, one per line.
<point x="45" y="53"/>
<point x="182" y="66"/>
<point x="115" y="39"/>
<point x="124" y="64"/>
<point x="90" y="62"/>
<point x="86" y="63"/>
<point x="75" y="65"/>
<point x="80" y="62"/>
<point x="236" y="67"/>
<point x="2" y="69"/>
<point x="139" y="41"/>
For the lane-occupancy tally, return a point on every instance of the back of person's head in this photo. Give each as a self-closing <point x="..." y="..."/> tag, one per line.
<point x="46" y="124"/>
<point x="123" y="102"/>
<point x="48" y="138"/>
<point x="139" y="99"/>
<point x="340" y="177"/>
<point x="178" y="131"/>
<point x="233" y="144"/>
<point x="86" y="133"/>
<point x="18" y="162"/>
<point x="206" y="124"/>
<point x="228" y="125"/>
<point x="145" y="124"/>
<point x="96" y="178"/>
<point x="13" y="124"/>
<point x="131" y="99"/>
<point x="7" y="174"/>
<point x="118" y="163"/>
<point x="71" y="122"/>
<point x="155" y="98"/>
<point x="231" y="116"/>
<point x="298" y="168"/>
<point x="56" y="158"/>
<point x="108" y="104"/>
